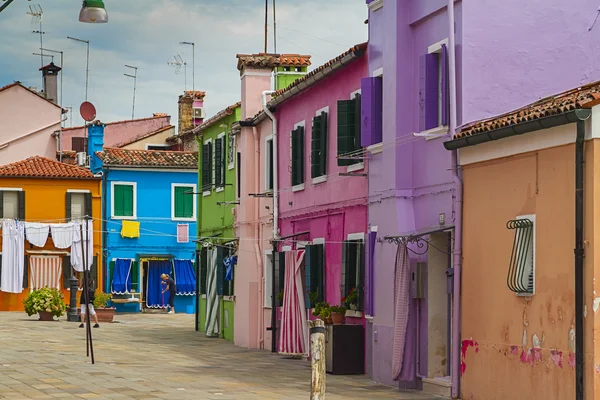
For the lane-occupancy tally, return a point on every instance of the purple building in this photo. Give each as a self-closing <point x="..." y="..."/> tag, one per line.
<point x="424" y="81"/>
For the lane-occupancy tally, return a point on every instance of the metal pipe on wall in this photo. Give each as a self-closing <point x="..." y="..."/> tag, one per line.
<point x="257" y="234"/>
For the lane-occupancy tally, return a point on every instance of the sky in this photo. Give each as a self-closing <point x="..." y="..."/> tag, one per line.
<point x="146" y="34"/>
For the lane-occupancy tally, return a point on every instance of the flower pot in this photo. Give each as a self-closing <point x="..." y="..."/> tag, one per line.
<point x="46" y="316"/>
<point x="106" y="314"/>
<point x="337" y="318"/>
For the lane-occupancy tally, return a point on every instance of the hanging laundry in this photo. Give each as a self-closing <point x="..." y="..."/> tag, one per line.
<point x="76" y="251"/>
<point x="62" y="235"/>
<point x="13" y="256"/>
<point x="229" y="262"/>
<point x="293" y="335"/>
<point x="130" y="229"/>
<point x="37" y="233"/>
<point x="212" y="301"/>
<point x="45" y="272"/>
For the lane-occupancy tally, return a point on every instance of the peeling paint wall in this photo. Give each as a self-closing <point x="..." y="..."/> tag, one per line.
<point x="526" y="345"/>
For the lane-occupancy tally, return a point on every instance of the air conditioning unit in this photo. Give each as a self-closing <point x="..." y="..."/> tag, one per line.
<point x="82" y="159"/>
<point x="199" y="112"/>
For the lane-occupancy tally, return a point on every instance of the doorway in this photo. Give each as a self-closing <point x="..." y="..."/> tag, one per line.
<point x="152" y="286"/>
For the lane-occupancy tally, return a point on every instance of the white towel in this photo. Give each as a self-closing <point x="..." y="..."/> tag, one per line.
<point x="62" y="235"/>
<point x="37" y="234"/>
<point x="13" y="256"/>
<point x="76" y="253"/>
<point x="45" y="272"/>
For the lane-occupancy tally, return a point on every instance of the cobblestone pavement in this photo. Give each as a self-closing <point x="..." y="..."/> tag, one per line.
<point x="153" y="357"/>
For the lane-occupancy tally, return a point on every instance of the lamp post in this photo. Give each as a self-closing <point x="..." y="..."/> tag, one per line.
<point x="134" y="76"/>
<point x="87" y="66"/>
<point x="62" y="72"/>
<point x="193" y="63"/>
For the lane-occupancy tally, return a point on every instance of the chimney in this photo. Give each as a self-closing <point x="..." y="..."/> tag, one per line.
<point x="50" y="74"/>
<point x="95" y="143"/>
<point x="256" y="71"/>
<point x="188" y="102"/>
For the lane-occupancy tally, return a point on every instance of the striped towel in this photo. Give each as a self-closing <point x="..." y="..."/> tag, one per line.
<point x="401" y="308"/>
<point x="45" y="272"/>
<point x="293" y="339"/>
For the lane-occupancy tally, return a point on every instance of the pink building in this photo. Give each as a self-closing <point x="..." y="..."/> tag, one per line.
<point x="322" y="195"/>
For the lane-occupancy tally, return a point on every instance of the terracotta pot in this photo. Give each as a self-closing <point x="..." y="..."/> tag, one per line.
<point x="106" y="314"/>
<point x="329" y="321"/>
<point x="337" y="318"/>
<point x="46" y="316"/>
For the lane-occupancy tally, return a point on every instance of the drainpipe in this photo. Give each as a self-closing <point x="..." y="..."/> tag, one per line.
<point x="275" y="225"/>
<point x="458" y="193"/>
<point x="198" y="138"/>
<point x="105" y="229"/>
<point x="257" y="234"/>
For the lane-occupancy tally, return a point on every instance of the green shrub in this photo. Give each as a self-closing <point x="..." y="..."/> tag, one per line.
<point x="101" y="299"/>
<point x="45" y="300"/>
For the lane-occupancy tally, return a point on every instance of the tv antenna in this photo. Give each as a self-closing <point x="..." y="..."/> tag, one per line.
<point x="45" y="55"/>
<point x="178" y="62"/>
<point x="37" y="13"/>
<point x="134" y="76"/>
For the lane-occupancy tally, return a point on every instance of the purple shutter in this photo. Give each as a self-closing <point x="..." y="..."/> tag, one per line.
<point x="371" y="111"/>
<point x="428" y="92"/>
<point x="370" y="309"/>
<point x="445" y="103"/>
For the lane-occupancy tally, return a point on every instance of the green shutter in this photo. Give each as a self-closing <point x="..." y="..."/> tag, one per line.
<point x="94" y="272"/>
<point x="360" y="273"/>
<point x="219" y="162"/>
<point x="345" y="261"/>
<point x="68" y="204"/>
<point x="205" y="168"/>
<point x="220" y="271"/>
<point x="118" y="201"/>
<point x="184" y="202"/>
<point x="128" y="201"/>
<point x="88" y="204"/>
<point x="324" y="142"/>
<point x="25" y="272"/>
<point x="21" y="200"/>
<point x="357" y="123"/>
<point x="308" y="267"/>
<point x="315" y="148"/>
<point x="123" y="200"/>
<point x="294" y="160"/>
<point x="1" y="204"/>
<point x="347" y="130"/>
<point x="67" y="271"/>
<point x="203" y="269"/>
<point x="298" y="156"/>
<point x="318" y="271"/>
<point x="111" y="274"/>
<point x="135" y="277"/>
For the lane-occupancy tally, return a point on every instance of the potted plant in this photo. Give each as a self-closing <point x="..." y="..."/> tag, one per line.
<point x="280" y="297"/>
<point x="323" y="312"/>
<point x="351" y="300"/>
<point x="337" y="314"/>
<point x="46" y="302"/>
<point x="105" y="314"/>
<point x="313" y="298"/>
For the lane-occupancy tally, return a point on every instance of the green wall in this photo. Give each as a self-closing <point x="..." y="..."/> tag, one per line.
<point x="286" y="75"/>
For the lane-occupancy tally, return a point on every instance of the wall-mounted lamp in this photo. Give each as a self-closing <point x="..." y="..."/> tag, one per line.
<point x="93" y="11"/>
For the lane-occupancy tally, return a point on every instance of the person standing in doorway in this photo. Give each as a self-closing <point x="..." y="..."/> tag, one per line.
<point x="172" y="289"/>
<point x="91" y="298"/>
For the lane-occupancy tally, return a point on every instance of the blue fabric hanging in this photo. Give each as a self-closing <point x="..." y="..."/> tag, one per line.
<point x="229" y="262"/>
<point x="154" y="288"/>
<point x="185" y="277"/>
<point x="121" y="282"/>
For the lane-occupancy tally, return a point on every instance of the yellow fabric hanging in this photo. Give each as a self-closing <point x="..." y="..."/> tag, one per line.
<point x="130" y="229"/>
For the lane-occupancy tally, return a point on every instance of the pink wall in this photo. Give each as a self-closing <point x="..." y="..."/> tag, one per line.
<point x="120" y="131"/>
<point x="26" y="125"/>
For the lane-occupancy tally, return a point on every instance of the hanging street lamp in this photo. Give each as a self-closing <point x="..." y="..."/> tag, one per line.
<point x="93" y="11"/>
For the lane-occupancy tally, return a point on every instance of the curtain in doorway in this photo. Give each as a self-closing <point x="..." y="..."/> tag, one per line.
<point x="154" y="288"/>
<point x="293" y="339"/>
<point x="212" y="300"/>
<point x="401" y="308"/>
<point x="185" y="277"/>
<point x="121" y="282"/>
<point x="45" y="272"/>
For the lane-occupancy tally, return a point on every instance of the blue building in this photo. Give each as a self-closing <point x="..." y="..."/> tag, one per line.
<point x="149" y="210"/>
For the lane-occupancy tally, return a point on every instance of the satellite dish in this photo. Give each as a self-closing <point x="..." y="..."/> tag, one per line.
<point x="87" y="111"/>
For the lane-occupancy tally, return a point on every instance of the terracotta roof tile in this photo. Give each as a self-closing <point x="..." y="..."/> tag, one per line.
<point x="196" y="94"/>
<point x="149" y="158"/>
<point x="357" y="50"/>
<point x="145" y="135"/>
<point x="41" y="167"/>
<point x="581" y="97"/>
<point x="267" y="60"/>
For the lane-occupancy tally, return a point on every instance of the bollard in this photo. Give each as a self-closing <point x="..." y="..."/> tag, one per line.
<point x="72" y="316"/>
<point x="317" y="359"/>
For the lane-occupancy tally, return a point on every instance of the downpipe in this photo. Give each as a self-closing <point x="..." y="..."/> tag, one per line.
<point x="256" y="235"/>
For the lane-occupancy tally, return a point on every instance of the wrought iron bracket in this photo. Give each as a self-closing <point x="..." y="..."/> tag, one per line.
<point x="422" y="244"/>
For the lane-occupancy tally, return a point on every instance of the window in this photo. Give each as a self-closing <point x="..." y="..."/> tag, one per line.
<point x="239" y="175"/>
<point x="157" y="147"/>
<point x="79" y="144"/>
<point x="78" y="204"/>
<point x="269" y="163"/>
<point x="297" y="167"/>
<point x="371" y="111"/>
<point x="315" y="274"/>
<point x="135" y="274"/>
<point x="521" y="270"/>
<point x="318" y="148"/>
<point x="268" y="273"/>
<point x="12" y="203"/>
<point x="124" y="200"/>
<point x="183" y="202"/>
<point x="207" y="167"/>
<point x="349" y="132"/>
<point x="433" y="93"/>
<point x="353" y="270"/>
<point x="220" y="162"/>
<point x="231" y="151"/>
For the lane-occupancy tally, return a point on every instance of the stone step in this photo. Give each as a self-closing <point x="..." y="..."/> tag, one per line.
<point x="440" y="387"/>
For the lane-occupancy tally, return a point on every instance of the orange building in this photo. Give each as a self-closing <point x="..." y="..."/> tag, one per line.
<point x="530" y="324"/>
<point x="42" y="190"/>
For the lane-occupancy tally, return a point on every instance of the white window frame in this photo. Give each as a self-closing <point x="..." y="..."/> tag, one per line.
<point x="112" y="200"/>
<point x="361" y="165"/>
<point x="78" y="191"/>
<point x="226" y="154"/>
<point x="268" y="271"/>
<point x="530" y="217"/>
<point x="166" y="146"/>
<point x="194" y="201"/>
<point x="322" y="178"/>
<point x="267" y="170"/>
<point x="212" y="172"/>
<point x="377" y="147"/>
<point x="355" y="236"/>
<point x="299" y="187"/>
<point x="12" y="190"/>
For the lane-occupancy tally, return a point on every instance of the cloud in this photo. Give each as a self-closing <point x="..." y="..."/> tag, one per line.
<point x="147" y="34"/>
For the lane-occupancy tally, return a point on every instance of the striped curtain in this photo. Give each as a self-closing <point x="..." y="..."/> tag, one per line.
<point x="293" y="338"/>
<point x="401" y="308"/>
<point x="212" y="300"/>
<point x="46" y="271"/>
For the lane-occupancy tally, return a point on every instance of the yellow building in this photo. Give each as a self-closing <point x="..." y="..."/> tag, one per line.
<point x="45" y="191"/>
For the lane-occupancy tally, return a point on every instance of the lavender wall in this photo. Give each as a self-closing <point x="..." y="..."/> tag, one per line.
<point x="516" y="52"/>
